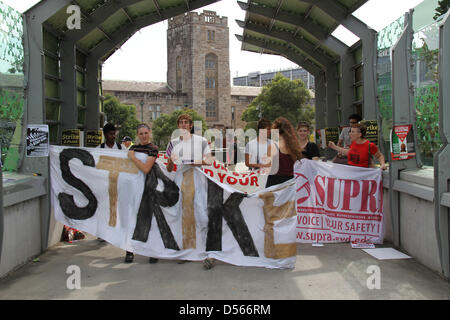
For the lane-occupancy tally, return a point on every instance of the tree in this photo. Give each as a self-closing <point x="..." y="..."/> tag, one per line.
<point x="166" y="124"/>
<point x="281" y="97"/>
<point x="121" y="115"/>
<point x="443" y="6"/>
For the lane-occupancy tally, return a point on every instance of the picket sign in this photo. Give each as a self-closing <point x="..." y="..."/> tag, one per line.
<point x="338" y="203"/>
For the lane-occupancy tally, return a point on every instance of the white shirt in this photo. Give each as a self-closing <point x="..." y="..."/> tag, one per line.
<point x="190" y="150"/>
<point x="107" y="147"/>
<point x="257" y="151"/>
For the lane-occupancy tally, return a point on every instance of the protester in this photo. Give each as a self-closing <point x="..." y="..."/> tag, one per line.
<point x="344" y="138"/>
<point x="109" y="131"/>
<point x="183" y="148"/>
<point x="232" y="154"/>
<point x="183" y="151"/>
<point x="287" y="152"/>
<point x="127" y="142"/>
<point x="256" y="149"/>
<point x="310" y="149"/>
<point x="361" y="150"/>
<point x="146" y="147"/>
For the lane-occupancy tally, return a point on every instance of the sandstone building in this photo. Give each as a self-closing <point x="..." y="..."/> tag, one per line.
<point x="198" y="75"/>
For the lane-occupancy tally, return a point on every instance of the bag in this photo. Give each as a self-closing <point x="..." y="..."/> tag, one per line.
<point x="340" y="159"/>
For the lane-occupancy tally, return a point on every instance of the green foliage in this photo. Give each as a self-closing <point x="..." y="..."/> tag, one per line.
<point x="427" y="120"/>
<point x="11" y="111"/>
<point x="443" y="6"/>
<point x="166" y="124"/>
<point x="122" y="115"/>
<point x="281" y="97"/>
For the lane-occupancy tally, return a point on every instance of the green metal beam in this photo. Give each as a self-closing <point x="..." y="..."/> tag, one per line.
<point x="118" y="37"/>
<point x="283" y="51"/>
<point x="306" y="47"/>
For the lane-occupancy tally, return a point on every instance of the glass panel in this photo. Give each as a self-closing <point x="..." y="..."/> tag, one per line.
<point x="52" y="111"/>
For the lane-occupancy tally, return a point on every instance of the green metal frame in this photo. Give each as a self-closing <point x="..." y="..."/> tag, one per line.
<point x="442" y="157"/>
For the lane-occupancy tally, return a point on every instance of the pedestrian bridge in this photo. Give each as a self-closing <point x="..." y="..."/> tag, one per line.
<point x="381" y="77"/>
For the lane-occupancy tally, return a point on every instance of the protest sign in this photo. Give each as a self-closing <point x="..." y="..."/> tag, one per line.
<point x="93" y="138"/>
<point x="185" y="214"/>
<point x="338" y="203"/>
<point x="70" y="137"/>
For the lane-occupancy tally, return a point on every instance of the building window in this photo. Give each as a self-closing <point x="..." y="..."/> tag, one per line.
<point x="155" y="112"/>
<point x="210" y="63"/>
<point x="211" y="35"/>
<point x="179" y="74"/>
<point x="232" y="113"/>
<point x="211" y="109"/>
<point x="210" y="83"/>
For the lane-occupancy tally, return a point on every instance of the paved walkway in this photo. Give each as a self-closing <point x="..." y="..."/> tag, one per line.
<point x="334" y="271"/>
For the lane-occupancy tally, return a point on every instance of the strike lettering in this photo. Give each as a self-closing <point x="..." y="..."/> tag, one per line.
<point x="66" y="202"/>
<point x="231" y="213"/>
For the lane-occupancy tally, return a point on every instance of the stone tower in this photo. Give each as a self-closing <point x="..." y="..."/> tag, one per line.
<point x="198" y="64"/>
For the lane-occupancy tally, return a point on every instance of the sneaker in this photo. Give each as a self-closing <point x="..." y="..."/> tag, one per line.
<point x="129" y="257"/>
<point x="152" y="260"/>
<point x="208" y="263"/>
<point x="101" y="240"/>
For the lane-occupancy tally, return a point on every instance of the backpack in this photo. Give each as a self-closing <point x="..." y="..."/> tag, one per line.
<point x="118" y="145"/>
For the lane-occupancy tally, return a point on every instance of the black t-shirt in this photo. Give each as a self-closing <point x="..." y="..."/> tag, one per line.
<point x="311" y="151"/>
<point x="150" y="149"/>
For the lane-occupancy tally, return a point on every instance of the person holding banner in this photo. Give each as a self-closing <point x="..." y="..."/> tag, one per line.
<point x="186" y="143"/>
<point x="310" y="149"/>
<point x="361" y="150"/>
<point x="146" y="147"/>
<point x="288" y="151"/>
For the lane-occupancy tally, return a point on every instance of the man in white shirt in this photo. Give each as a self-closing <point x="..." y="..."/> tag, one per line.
<point x="109" y="132"/>
<point x="188" y="149"/>
<point x="256" y="149"/>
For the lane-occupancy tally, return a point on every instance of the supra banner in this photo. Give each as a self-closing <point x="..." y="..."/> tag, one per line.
<point x="186" y="214"/>
<point x="338" y="203"/>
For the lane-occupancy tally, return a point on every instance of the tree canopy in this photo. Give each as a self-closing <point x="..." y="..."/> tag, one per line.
<point x="281" y="97"/>
<point x="123" y="116"/>
<point x="166" y="124"/>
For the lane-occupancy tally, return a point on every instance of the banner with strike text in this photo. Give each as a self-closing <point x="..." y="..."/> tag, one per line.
<point x="338" y="203"/>
<point x="187" y="214"/>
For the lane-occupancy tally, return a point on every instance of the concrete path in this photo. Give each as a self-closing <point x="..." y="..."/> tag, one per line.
<point x="334" y="271"/>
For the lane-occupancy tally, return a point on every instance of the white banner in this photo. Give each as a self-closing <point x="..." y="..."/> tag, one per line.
<point x="179" y="215"/>
<point x="338" y="203"/>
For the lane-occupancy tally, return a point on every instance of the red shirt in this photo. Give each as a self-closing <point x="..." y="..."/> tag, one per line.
<point x="358" y="154"/>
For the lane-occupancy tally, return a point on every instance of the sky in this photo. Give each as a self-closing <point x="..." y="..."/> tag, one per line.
<point x="144" y="56"/>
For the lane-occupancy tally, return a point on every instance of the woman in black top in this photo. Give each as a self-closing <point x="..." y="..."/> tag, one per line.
<point x="145" y="146"/>
<point x="310" y="149"/>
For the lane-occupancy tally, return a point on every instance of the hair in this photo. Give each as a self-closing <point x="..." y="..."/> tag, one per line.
<point x="143" y="125"/>
<point x="184" y="116"/>
<point x="263" y="124"/>
<point x="286" y="130"/>
<point x="303" y="124"/>
<point x="355" y="116"/>
<point x="362" y="128"/>
<point x="108" y="127"/>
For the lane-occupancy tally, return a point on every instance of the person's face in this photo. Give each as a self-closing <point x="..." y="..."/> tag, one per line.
<point x="265" y="133"/>
<point x="127" y="143"/>
<point x="185" y="125"/>
<point x="144" y="135"/>
<point x="110" y="136"/>
<point x="303" y="132"/>
<point x="354" y="134"/>
<point x="352" y="121"/>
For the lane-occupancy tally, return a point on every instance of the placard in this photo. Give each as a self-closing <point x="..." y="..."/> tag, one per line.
<point x="37" y="140"/>
<point x="70" y="137"/>
<point x="327" y="135"/>
<point x="402" y="142"/>
<point x="93" y="138"/>
<point x="372" y="130"/>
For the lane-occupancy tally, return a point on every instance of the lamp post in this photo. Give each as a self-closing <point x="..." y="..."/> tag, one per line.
<point x="142" y="111"/>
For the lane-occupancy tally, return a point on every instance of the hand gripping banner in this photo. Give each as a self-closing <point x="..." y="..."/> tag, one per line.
<point x="190" y="214"/>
